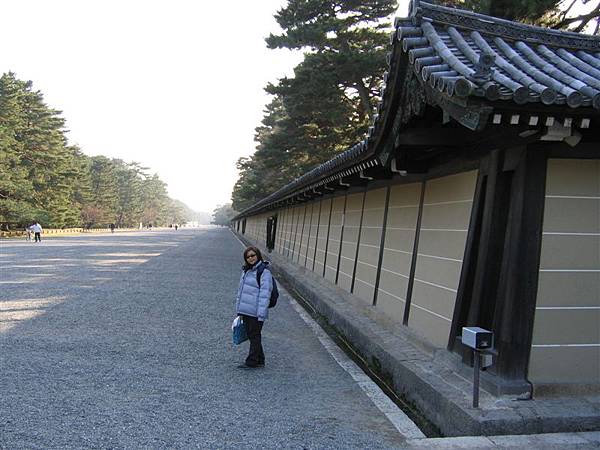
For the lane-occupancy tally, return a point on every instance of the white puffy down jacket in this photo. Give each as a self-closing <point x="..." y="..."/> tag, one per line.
<point x="252" y="300"/>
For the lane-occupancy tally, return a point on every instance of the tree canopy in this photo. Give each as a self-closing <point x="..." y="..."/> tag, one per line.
<point x="325" y="108"/>
<point x="44" y="179"/>
<point x="223" y="214"/>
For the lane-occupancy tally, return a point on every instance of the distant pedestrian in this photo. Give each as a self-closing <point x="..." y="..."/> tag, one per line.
<point x="28" y="232"/>
<point x="37" y="232"/>
<point x="252" y="303"/>
<point x="175" y="227"/>
<point x="112" y="227"/>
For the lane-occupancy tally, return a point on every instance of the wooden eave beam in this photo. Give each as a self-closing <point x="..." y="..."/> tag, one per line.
<point x="433" y="137"/>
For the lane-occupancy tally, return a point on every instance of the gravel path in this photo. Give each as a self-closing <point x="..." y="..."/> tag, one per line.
<point x="123" y="341"/>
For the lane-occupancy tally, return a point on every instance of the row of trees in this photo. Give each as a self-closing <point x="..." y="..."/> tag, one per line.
<point x="223" y="214"/>
<point x="327" y="106"/>
<point x="44" y="179"/>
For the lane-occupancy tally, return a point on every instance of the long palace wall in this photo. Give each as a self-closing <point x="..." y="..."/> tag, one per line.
<point x="401" y="247"/>
<point x="340" y="238"/>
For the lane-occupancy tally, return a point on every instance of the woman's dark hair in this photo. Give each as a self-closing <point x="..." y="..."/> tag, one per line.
<point x="247" y="266"/>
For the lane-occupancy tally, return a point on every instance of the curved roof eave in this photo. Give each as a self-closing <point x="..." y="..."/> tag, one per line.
<point x="462" y="54"/>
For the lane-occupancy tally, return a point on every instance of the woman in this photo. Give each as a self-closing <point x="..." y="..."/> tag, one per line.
<point x="252" y="303"/>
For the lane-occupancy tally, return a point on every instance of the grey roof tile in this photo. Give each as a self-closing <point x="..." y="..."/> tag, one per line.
<point x="522" y="58"/>
<point x="460" y="53"/>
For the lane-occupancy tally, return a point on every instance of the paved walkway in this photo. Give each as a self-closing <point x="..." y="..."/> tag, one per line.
<point x="123" y="341"/>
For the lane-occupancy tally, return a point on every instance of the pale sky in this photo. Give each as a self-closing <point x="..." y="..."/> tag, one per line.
<point x="175" y="85"/>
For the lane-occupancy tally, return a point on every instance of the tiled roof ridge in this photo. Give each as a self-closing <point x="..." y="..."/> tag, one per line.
<point x="461" y="53"/>
<point x="502" y="27"/>
<point x="487" y="66"/>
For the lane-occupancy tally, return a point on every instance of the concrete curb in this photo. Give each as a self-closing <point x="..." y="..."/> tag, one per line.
<point x="423" y="376"/>
<point x="548" y="441"/>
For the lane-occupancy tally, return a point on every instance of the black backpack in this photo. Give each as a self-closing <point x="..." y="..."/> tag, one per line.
<point x="274" y="292"/>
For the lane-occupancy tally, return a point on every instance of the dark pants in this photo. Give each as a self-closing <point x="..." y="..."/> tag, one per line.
<point x="253" y="328"/>
<point x="38" y="237"/>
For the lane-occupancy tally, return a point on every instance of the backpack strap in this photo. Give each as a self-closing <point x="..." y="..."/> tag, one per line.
<point x="259" y="273"/>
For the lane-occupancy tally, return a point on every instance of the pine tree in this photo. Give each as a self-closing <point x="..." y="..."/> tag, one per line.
<point x="16" y="190"/>
<point x="102" y="211"/>
<point x="326" y="107"/>
<point x="154" y="201"/>
<point x="129" y="181"/>
<point x="36" y="154"/>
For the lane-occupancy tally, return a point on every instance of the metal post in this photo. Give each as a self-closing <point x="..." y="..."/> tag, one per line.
<point x="476" y="364"/>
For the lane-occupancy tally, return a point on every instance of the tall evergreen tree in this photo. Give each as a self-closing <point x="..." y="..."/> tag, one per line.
<point x="16" y="190"/>
<point x="105" y="194"/>
<point x="154" y="201"/>
<point x="129" y="185"/>
<point x="35" y="151"/>
<point x="326" y="107"/>
<point x="178" y="212"/>
<point x="346" y="40"/>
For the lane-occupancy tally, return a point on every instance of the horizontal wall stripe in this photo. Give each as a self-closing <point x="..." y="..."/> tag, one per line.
<point x="397" y="251"/>
<point x="369" y="245"/>
<point x="435" y="285"/>
<point x="345" y="257"/>
<point x="404" y="206"/>
<point x="345" y="274"/>
<point x="440" y="257"/>
<point x="571" y="270"/>
<point x="400" y="229"/>
<point x="330" y="267"/>
<point x="372" y="228"/>
<point x="443" y="229"/>
<point x="373" y="209"/>
<point x="452" y="202"/>
<point x="573" y="197"/>
<point x="367" y="264"/>
<point x="565" y="342"/>
<point x="364" y="282"/>
<point x="430" y="312"/>
<point x="392" y="295"/>
<point x="565" y="233"/>
<point x="566" y="307"/>
<point x="395" y="273"/>
<point x="564" y="345"/>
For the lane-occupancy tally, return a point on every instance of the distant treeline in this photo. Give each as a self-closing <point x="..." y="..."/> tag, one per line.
<point x="44" y="179"/>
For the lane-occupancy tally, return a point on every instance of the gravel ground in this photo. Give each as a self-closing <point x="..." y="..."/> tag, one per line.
<point x="124" y="341"/>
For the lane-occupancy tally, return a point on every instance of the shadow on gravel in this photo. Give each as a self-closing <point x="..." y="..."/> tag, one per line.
<point x="123" y="341"/>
